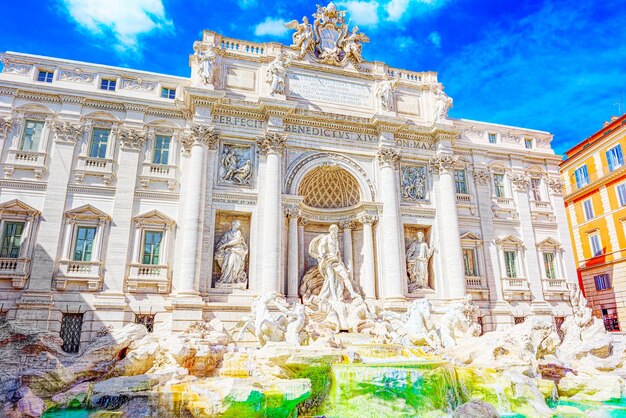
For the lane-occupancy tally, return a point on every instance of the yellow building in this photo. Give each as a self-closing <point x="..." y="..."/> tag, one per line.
<point x="595" y="199"/>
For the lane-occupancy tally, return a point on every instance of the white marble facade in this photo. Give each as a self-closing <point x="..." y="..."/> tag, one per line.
<point x="151" y="172"/>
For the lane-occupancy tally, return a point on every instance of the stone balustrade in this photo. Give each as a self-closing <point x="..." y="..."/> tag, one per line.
<point x="15" y="269"/>
<point x="148" y="276"/>
<point x="242" y="47"/>
<point x="88" y="166"/>
<point x="555" y="289"/>
<point x="89" y="273"/>
<point x="516" y="288"/>
<point x="158" y="173"/>
<point x="25" y="160"/>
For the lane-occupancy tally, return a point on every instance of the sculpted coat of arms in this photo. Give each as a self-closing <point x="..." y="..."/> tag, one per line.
<point x="329" y="40"/>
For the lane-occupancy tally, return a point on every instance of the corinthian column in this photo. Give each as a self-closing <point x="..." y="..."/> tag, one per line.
<point x="195" y="144"/>
<point x="393" y="259"/>
<point x="368" y="279"/>
<point x="272" y="145"/>
<point x="450" y="244"/>
<point x="292" y="253"/>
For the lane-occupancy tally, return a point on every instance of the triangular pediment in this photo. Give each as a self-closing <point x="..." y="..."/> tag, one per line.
<point x="154" y="217"/>
<point x="510" y="240"/>
<point x="469" y="236"/>
<point x="549" y="243"/>
<point x="87" y="212"/>
<point x="17" y="207"/>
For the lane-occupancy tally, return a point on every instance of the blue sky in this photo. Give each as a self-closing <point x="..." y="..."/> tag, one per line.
<point x="556" y="65"/>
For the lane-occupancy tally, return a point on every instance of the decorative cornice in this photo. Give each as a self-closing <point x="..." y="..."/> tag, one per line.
<point x="37" y="96"/>
<point x="66" y="98"/>
<point x="67" y="132"/>
<point x="134" y="107"/>
<point x="444" y="162"/>
<point x="388" y="157"/>
<point x="131" y="139"/>
<point x="521" y="182"/>
<point x="272" y="143"/>
<point x="101" y="104"/>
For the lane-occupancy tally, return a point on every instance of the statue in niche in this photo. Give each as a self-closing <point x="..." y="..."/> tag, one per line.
<point x="414" y="183"/>
<point x="384" y="92"/>
<point x="277" y="73"/>
<point x="230" y="255"/>
<point x="303" y="37"/>
<point x="325" y="249"/>
<point x="206" y="65"/>
<point x="417" y="257"/>
<point x="233" y="171"/>
<point x="443" y="104"/>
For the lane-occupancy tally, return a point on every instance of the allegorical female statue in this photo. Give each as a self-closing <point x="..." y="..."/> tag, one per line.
<point x="206" y="66"/>
<point x="417" y="258"/>
<point x="230" y="254"/>
<point x="277" y="73"/>
<point x="384" y="92"/>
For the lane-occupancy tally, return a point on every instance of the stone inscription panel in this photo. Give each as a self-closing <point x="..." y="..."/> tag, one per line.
<point x="321" y="89"/>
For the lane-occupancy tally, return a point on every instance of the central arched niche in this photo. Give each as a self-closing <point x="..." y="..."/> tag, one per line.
<point x="329" y="187"/>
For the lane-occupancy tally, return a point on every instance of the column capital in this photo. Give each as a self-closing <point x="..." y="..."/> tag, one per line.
<point x="302" y="221"/>
<point x="444" y="162"/>
<point x="367" y="218"/>
<point x="482" y="177"/>
<point x="388" y="157"/>
<point x="291" y="211"/>
<point x="349" y="224"/>
<point x="5" y="126"/>
<point x="131" y="139"/>
<point x="66" y="132"/>
<point x="521" y="182"/>
<point x="556" y="185"/>
<point x="202" y="135"/>
<point x="272" y="143"/>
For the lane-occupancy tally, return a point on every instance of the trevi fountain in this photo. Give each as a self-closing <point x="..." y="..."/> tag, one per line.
<point x="322" y="240"/>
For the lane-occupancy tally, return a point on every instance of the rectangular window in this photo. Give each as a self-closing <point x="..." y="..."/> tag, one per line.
<point x="83" y="244"/>
<point x="106" y="84"/>
<point x="12" y="239"/>
<point x="45" y="76"/>
<point x="615" y="158"/>
<point x="146" y="320"/>
<point x="168" y="93"/>
<point x="535" y="186"/>
<point x="510" y="264"/>
<point x="548" y="262"/>
<point x="596" y="245"/>
<point x="32" y="135"/>
<point x="71" y="328"/>
<point x="602" y="281"/>
<point x="99" y="141"/>
<point x="528" y="143"/>
<point x="582" y="176"/>
<point x="621" y="194"/>
<point x="498" y="184"/>
<point x="459" y="181"/>
<point x="161" y="149"/>
<point x="588" y="209"/>
<point x="152" y="247"/>
<point x="493" y="138"/>
<point x="469" y="260"/>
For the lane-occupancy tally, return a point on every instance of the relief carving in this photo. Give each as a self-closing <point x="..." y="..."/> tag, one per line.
<point x="236" y="165"/>
<point x="414" y="183"/>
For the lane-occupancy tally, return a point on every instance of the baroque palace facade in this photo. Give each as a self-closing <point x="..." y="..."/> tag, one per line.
<point x="134" y="196"/>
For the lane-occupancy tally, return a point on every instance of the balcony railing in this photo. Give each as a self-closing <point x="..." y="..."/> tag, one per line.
<point x="89" y="166"/>
<point x="540" y="206"/>
<point x="85" y="272"/>
<point x="160" y="173"/>
<point x="25" y="160"/>
<point x="242" y="47"/>
<point x="15" y="269"/>
<point x="516" y="288"/>
<point x="555" y="289"/>
<point x="504" y="202"/>
<point x="477" y="285"/>
<point x="463" y="198"/>
<point x="148" y="275"/>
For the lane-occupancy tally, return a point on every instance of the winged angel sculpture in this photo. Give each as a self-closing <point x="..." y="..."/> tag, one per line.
<point x="329" y="40"/>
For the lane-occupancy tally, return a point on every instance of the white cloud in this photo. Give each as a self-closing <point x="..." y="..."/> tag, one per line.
<point x="125" y="20"/>
<point x="403" y="9"/>
<point x="362" y="13"/>
<point x="271" y="26"/>
<point x="435" y="39"/>
<point x="247" y="4"/>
